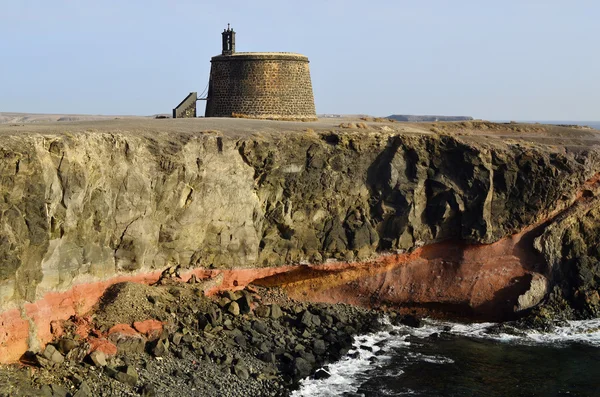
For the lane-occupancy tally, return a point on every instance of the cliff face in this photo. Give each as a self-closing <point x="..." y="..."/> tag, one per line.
<point x="571" y="247"/>
<point x="77" y="208"/>
<point x="437" y="218"/>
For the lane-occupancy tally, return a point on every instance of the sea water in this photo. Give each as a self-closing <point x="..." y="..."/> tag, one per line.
<point x="592" y="124"/>
<point x="451" y="359"/>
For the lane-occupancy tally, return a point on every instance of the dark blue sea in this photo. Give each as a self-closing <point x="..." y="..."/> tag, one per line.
<point x="450" y="359"/>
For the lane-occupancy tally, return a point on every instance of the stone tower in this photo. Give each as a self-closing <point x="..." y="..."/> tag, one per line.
<point x="262" y="85"/>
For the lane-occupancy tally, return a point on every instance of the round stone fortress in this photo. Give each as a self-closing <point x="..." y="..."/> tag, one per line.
<point x="262" y="85"/>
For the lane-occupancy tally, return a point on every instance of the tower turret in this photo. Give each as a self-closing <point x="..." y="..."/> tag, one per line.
<point x="228" y="41"/>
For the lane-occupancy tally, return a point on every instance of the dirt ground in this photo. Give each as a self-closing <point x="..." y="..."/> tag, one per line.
<point x="239" y="128"/>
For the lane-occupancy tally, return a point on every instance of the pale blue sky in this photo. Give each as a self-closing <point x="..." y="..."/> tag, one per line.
<point x="511" y="59"/>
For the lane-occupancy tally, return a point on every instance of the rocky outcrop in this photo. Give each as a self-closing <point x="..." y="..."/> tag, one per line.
<point x="457" y="206"/>
<point x="571" y="246"/>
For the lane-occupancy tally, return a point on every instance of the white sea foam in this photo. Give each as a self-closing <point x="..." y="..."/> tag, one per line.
<point x="587" y="331"/>
<point x="349" y="373"/>
<point x="430" y="359"/>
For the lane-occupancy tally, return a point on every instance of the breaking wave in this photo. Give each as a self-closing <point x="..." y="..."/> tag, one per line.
<point x="372" y="353"/>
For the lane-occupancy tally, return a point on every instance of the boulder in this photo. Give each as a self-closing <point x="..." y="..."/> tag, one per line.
<point x="308" y="356"/>
<point x="276" y="311"/>
<point x="262" y="311"/>
<point x="215" y="317"/>
<point x="103" y="345"/>
<point x="46" y="391"/>
<point x="131" y="345"/>
<point x="241" y="371"/>
<point x="127" y="375"/>
<point x="59" y="391"/>
<point x="322" y="373"/>
<point x="260" y="327"/>
<point x="177" y="338"/>
<point x="52" y="354"/>
<point x="65" y="345"/>
<point x="306" y="318"/>
<point x="98" y="358"/>
<point x="265" y="347"/>
<point x="160" y="348"/>
<point x="233" y="308"/>
<point x="83" y="391"/>
<point x="148" y="390"/>
<point x="127" y="340"/>
<point x="319" y="347"/>
<point x="240" y="340"/>
<point x="245" y="303"/>
<point x="228" y="324"/>
<point x="223" y="302"/>
<point x="301" y="368"/>
<point x="232" y="295"/>
<point x="267" y="357"/>
<point x="151" y="328"/>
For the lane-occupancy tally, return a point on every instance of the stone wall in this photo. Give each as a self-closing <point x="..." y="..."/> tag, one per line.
<point x="261" y="85"/>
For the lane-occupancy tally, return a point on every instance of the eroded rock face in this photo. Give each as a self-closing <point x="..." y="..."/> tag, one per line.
<point x="571" y="246"/>
<point x="85" y="207"/>
<point x="351" y="195"/>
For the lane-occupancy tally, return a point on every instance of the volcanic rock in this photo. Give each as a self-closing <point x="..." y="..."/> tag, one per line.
<point x="98" y="358"/>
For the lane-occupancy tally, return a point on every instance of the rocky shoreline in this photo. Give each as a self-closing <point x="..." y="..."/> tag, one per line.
<point x="170" y="339"/>
<point x="256" y="341"/>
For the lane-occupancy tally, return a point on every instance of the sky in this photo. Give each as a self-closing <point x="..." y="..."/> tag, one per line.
<point x="490" y="59"/>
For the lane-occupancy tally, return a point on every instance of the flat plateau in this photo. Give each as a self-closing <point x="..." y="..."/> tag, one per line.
<point x="478" y="131"/>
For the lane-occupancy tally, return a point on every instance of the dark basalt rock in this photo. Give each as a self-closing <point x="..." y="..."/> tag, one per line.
<point x="321" y="373"/>
<point x="65" y="345"/>
<point x="83" y="391"/>
<point x="302" y="368"/>
<point x="148" y="390"/>
<point x="410" y="321"/>
<point x="245" y="304"/>
<point x="241" y="371"/>
<point x="160" y="348"/>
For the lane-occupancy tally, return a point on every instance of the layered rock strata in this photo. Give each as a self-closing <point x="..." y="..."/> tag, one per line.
<point x="472" y="219"/>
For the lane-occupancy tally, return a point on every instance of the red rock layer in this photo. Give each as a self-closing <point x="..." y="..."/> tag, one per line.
<point x="472" y="281"/>
<point x="15" y="329"/>
<point x="476" y="281"/>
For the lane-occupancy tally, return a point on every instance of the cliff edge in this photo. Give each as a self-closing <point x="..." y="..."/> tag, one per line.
<point x="470" y="219"/>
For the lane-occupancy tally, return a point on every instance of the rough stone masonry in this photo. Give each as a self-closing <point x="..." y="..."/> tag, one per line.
<point x="260" y="85"/>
